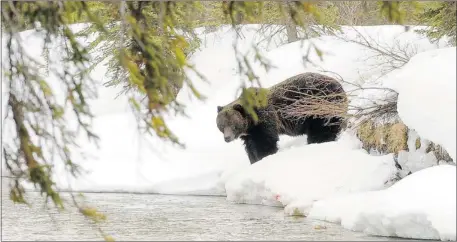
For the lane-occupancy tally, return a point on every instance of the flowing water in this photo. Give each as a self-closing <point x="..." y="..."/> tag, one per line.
<point x="163" y="217"/>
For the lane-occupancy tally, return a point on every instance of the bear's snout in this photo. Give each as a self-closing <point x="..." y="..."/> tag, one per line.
<point x="228" y="134"/>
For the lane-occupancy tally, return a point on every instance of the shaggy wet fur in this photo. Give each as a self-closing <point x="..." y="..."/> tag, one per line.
<point x="261" y="139"/>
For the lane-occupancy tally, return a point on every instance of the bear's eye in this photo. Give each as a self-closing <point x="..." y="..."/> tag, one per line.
<point x="219" y="126"/>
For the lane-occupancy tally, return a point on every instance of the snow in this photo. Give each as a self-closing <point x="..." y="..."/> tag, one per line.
<point x="422" y="205"/>
<point x="323" y="181"/>
<point x="427" y="96"/>
<point x="320" y="171"/>
<point x="415" y="159"/>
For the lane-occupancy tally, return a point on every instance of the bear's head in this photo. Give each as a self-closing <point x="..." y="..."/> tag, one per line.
<point x="232" y="121"/>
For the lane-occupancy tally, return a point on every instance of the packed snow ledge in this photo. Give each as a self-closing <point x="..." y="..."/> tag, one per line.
<point x="339" y="182"/>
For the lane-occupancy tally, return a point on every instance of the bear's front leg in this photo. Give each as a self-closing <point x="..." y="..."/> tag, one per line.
<point x="261" y="141"/>
<point x="251" y="149"/>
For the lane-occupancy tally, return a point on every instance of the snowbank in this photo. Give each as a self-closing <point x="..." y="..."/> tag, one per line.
<point x="422" y="205"/>
<point x="427" y="96"/>
<point x="303" y="173"/>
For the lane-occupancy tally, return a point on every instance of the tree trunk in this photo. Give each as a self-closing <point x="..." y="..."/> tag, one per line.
<point x="292" y="34"/>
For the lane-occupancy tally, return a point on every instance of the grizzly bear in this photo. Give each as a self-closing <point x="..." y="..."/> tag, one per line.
<point x="289" y="111"/>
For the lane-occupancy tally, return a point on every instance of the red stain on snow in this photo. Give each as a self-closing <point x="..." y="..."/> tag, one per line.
<point x="277" y="197"/>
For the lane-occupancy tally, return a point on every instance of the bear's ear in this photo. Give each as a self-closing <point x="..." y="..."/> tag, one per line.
<point x="219" y="108"/>
<point x="239" y="108"/>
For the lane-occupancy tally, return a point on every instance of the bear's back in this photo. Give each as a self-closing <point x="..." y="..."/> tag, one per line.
<point x="302" y="86"/>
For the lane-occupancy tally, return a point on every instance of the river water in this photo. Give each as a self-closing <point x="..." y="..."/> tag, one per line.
<point x="164" y="217"/>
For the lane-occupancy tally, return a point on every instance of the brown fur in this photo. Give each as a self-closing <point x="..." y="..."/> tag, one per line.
<point x="274" y="120"/>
